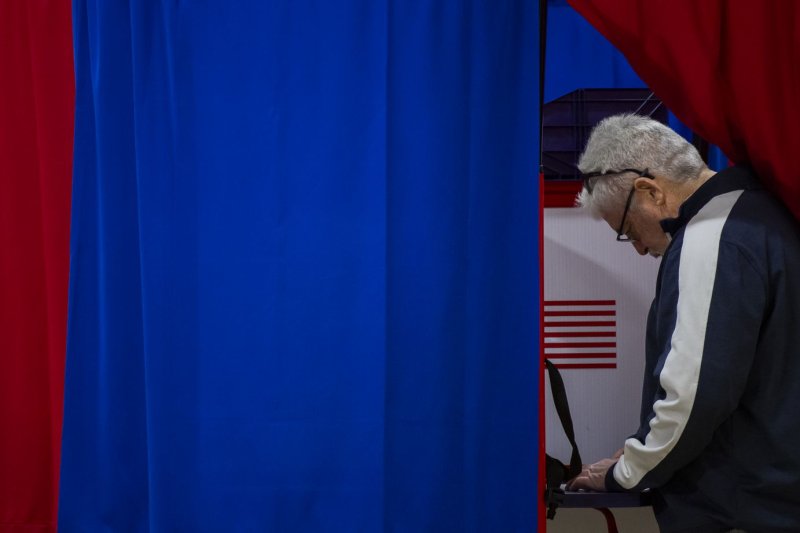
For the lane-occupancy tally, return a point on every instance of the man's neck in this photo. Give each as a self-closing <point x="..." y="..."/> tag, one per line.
<point x="684" y="190"/>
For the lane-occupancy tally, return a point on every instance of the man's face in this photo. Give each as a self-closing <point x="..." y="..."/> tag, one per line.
<point x="642" y="224"/>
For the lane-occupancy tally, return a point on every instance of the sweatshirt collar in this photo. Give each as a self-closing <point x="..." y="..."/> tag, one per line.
<point x="731" y="179"/>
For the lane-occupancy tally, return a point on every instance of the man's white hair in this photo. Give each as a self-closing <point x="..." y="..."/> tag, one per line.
<point x="636" y="142"/>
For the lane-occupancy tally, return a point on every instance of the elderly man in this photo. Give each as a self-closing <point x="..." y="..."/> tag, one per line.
<point x="719" y="434"/>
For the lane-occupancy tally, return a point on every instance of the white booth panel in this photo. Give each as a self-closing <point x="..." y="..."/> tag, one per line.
<point x="597" y="294"/>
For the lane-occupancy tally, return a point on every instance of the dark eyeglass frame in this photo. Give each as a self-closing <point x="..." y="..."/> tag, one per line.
<point x="589" y="184"/>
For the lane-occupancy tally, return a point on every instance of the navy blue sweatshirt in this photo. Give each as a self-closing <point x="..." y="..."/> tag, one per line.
<point x="719" y="440"/>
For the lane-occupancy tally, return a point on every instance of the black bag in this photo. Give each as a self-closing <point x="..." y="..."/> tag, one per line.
<point x="557" y="472"/>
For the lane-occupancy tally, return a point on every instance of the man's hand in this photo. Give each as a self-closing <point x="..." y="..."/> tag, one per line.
<point x="592" y="477"/>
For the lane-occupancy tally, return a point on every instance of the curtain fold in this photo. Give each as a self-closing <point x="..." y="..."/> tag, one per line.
<point x="303" y="292"/>
<point x="726" y="68"/>
<point x="462" y="287"/>
<point x="36" y="114"/>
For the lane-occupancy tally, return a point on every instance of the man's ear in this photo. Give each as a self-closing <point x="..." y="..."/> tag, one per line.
<point x="652" y="189"/>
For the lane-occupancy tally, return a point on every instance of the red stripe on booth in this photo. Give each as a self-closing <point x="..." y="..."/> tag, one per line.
<point x="561" y="193"/>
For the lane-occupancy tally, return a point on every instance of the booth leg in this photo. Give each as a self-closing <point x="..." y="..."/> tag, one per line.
<point x="611" y="523"/>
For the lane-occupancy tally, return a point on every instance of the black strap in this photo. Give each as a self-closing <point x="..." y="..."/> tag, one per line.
<point x="562" y="408"/>
<point x="557" y="472"/>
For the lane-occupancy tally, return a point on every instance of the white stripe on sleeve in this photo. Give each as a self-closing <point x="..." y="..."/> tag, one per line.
<point x="681" y="371"/>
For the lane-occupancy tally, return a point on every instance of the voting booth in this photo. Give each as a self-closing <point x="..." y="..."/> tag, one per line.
<point x="596" y="297"/>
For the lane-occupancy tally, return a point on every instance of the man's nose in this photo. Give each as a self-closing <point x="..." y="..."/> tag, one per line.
<point x="641" y="249"/>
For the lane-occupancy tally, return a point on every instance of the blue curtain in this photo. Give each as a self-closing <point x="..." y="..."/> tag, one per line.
<point x="304" y="267"/>
<point x="579" y="57"/>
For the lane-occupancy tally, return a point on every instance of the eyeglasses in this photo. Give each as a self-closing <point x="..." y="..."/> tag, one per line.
<point x="589" y="182"/>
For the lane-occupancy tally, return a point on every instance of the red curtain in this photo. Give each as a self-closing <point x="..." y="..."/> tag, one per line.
<point x="729" y="69"/>
<point x="36" y="124"/>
